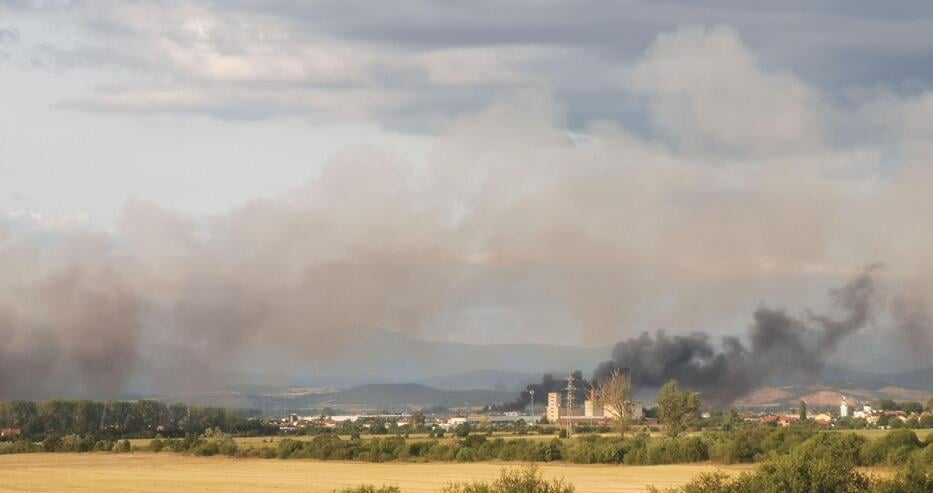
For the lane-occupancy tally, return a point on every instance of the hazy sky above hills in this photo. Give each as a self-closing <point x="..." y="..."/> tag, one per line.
<point x="278" y="175"/>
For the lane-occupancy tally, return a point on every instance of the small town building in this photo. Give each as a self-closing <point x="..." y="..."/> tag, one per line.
<point x="10" y="432"/>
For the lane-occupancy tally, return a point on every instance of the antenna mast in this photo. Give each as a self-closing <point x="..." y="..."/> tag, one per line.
<point x="570" y="404"/>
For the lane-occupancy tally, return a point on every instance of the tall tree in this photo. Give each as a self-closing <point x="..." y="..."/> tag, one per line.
<point x="88" y="416"/>
<point x="417" y="421"/>
<point x="677" y="409"/>
<point x="177" y="413"/>
<point x="802" y="410"/>
<point x="910" y="407"/>
<point x="616" y="392"/>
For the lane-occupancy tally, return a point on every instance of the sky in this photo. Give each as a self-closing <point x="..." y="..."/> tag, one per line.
<point x="281" y="175"/>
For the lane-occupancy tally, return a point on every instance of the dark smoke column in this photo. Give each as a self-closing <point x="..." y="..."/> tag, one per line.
<point x="779" y="345"/>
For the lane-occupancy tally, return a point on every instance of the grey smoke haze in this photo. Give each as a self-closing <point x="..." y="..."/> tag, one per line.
<point x="516" y="221"/>
<point x="779" y="347"/>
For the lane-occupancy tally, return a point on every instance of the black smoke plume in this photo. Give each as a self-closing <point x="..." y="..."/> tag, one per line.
<point x="779" y="347"/>
<point x="548" y="384"/>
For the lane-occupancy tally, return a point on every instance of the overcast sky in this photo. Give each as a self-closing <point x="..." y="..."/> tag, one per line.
<point x="201" y="106"/>
<point x="488" y="171"/>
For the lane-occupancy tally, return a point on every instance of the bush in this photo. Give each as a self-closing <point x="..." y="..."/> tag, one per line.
<point x="676" y="450"/>
<point x="51" y="443"/>
<point x="20" y="447"/>
<point x="893" y="448"/>
<point x="368" y="488"/>
<point x="914" y="478"/>
<point x="463" y="430"/>
<point x="598" y="450"/>
<point x="743" y="445"/>
<point x="795" y="472"/>
<point x="833" y="446"/>
<point x="520" y="480"/>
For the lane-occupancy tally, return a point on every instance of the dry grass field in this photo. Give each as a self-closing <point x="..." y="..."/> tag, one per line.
<point x="144" y="472"/>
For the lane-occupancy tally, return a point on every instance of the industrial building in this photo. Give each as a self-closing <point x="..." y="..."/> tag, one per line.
<point x="592" y="411"/>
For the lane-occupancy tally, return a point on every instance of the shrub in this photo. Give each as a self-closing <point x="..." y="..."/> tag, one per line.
<point x="893" y="448"/>
<point x="463" y="430"/>
<point x="368" y="488"/>
<point x="833" y="446"/>
<point x="526" y="479"/>
<point x="795" y="472"/>
<point x="676" y="450"/>
<point x="19" y="447"/>
<point x="914" y="478"/>
<point x="743" y="445"/>
<point x="597" y="450"/>
<point x="51" y="443"/>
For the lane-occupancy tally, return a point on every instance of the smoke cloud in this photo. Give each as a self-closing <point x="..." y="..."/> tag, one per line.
<point x="512" y="223"/>
<point x="780" y="347"/>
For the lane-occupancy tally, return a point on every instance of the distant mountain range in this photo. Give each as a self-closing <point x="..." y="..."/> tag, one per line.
<point x="480" y="387"/>
<point x="389" y="357"/>
<point x="387" y="370"/>
<point x="917" y="379"/>
<point x="483" y="379"/>
<point x="384" y="396"/>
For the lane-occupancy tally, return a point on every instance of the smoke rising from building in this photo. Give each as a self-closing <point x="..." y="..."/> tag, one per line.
<point x="779" y="347"/>
<point x="549" y="383"/>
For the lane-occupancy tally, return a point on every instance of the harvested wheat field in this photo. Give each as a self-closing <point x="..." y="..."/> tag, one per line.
<point x="139" y="472"/>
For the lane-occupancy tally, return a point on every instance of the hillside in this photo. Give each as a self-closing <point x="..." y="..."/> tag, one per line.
<point x="819" y="395"/>
<point x="370" y="396"/>
<point x="410" y="394"/>
<point x="390" y="357"/>
<point x="483" y="379"/>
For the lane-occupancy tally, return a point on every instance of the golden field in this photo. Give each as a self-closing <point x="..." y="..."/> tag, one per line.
<point x="145" y="472"/>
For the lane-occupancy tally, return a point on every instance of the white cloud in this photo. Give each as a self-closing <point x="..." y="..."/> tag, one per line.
<point x="707" y="93"/>
<point x="481" y="65"/>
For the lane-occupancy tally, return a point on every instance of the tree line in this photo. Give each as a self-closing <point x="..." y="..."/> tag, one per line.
<point x="142" y="419"/>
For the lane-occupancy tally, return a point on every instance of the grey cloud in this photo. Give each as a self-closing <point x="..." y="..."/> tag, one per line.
<point x="802" y="36"/>
<point x="8" y="36"/>
<point x="585" y="46"/>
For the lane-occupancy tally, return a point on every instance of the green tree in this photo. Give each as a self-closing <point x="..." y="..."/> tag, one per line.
<point x="677" y="409"/>
<point x="177" y="413"/>
<point x="930" y="404"/>
<point x="88" y="415"/>
<point x="886" y="405"/>
<point x="463" y="430"/>
<point x="910" y="407"/>
<point x="802" y="410"/>
<point x="729" y="419"/>
<point x="120" y="416"/>
<point x="417" y="420"/>
<point x="150" y="414"/>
